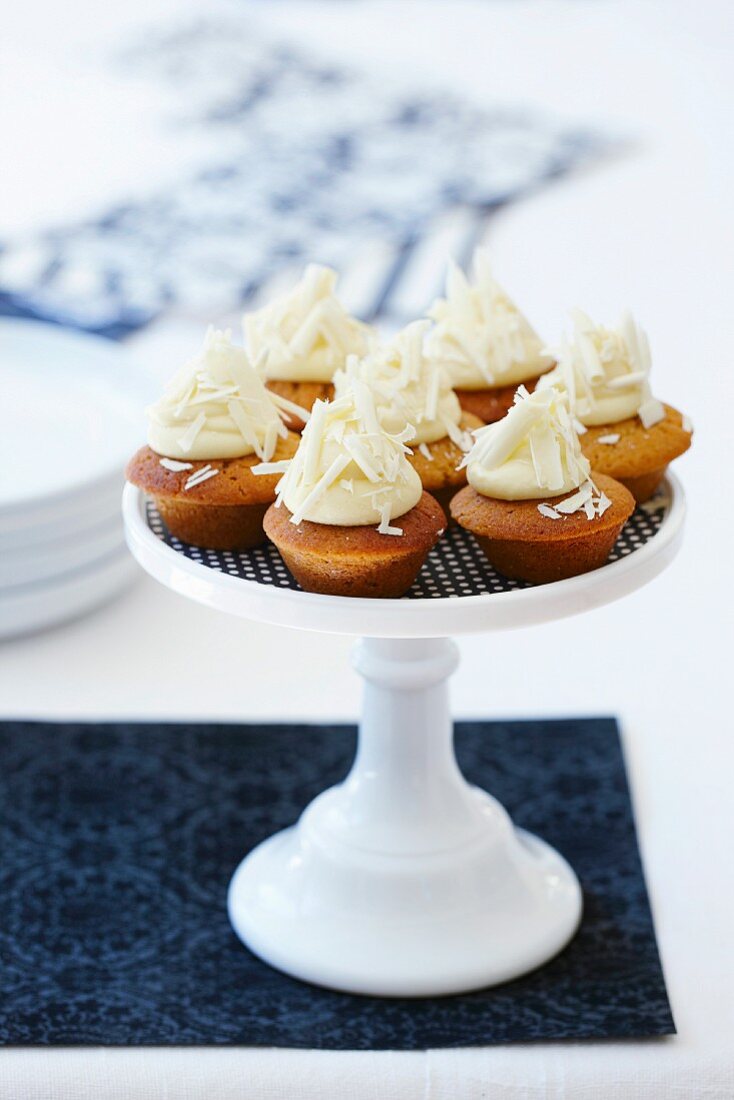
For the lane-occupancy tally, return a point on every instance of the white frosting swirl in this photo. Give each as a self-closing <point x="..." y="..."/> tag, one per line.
<point x="306" y="334"/>
<point x="605" y="371"/>
<point x="347" y="470"/>
<point x="216" y="406"/>
<point x="408" y="388"/>
<point x="533" y="452"/>
<point x="481" y="337"/>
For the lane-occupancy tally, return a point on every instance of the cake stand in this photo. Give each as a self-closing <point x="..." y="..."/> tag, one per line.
<point x="404" y="880"/>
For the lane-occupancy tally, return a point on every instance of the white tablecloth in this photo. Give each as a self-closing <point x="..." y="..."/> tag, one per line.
<point x="651" y="229"/>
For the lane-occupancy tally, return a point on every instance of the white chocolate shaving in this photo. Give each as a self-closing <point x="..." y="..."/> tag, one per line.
<point x="609" y="440"/>
<point x="602" y="504"/>
<point x="651" y="412"/>
<point x="202" y="474"/>
<point x="187" y="440"/>
<point x="271" y="467"/>
<point x="175" y="466"/>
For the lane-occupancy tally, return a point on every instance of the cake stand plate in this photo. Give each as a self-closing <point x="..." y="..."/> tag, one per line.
<point x="405" y="880"/>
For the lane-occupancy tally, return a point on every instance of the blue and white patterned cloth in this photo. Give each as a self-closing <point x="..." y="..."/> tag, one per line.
<point x="305" y="161"/>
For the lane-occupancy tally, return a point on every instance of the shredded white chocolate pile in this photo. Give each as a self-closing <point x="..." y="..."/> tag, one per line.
<point x="588" y="499"/>
<point x="307" y="334"/>
<point x="347" y="470"/>
<point x="539" y="422"/>
<point x="606" y="372"/>
<point x="480" y="335"/>
<point x="408" y="388"/>
<point x="535" y="450"/>
<point x="217" y="406"/>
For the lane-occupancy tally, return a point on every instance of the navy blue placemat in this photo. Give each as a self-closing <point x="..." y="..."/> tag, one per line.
<point x="118" y="842"/>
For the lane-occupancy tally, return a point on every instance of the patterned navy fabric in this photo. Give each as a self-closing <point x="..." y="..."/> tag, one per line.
<point x="286" y="158"/>
<point x="456" y="566"/>
<point x="118" y="843"/>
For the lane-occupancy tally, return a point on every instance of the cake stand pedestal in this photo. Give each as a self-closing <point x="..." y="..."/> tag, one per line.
<point x="404" y="880"/>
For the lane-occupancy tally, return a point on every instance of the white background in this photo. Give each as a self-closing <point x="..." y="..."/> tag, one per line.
<point x="651" y="228"/>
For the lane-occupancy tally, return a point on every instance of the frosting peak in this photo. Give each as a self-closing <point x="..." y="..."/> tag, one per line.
<point x="307" y="334"/>
<point x="216" y="406"/>
<point x="480" y="335"/>
<point x="606" y="372"/>
<point x="533" y="452"/>
<point x="347" y="470"/>
<point x="408" y="388"/>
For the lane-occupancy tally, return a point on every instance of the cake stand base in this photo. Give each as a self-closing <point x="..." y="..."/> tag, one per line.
<point x="404" y="880"/>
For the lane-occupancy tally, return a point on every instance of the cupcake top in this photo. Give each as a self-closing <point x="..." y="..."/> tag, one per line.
<point x="533" y="452"/>
<point x="307" y="334"/>
<point x="216" y="406"/>
<point x="606" y="373"/>
<point x="408" y="388"/>
<point x="348" y="471"/>
<point x="480" y="336"/>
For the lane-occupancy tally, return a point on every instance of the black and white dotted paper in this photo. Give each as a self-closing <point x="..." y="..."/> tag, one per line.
<point x="455" y="567"/>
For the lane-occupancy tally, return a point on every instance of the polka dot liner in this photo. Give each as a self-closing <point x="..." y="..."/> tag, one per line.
<point x="456" y="567"/>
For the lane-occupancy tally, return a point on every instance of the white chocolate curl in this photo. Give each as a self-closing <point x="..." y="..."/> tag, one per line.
<point x="307" y="334"/>
<point x="481" y="337"/>
<point x="408" y="389"/>
<point x="216" y="406"/>
<point x="606" y="372"/>
<point x="347" y="470"/>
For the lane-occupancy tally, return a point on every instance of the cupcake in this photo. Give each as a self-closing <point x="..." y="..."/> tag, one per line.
<point x="213" y="424"/>
<point x="410" y="391"/>
<point x="351" y="518"/>
<point x="484" y="342"/>
<point x="626" y="433"/>
<point x="303" y="338"/>
<point x="517" y="503"/>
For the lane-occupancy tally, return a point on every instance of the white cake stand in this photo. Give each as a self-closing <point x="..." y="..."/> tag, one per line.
<point x="404" y="880"/>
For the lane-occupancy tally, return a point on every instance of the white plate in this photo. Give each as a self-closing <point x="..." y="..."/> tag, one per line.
<point x="43" y="605"/>
<point x="52" y="558"/>
<point x="73" y="413"/>
<point x="62" y="518"/>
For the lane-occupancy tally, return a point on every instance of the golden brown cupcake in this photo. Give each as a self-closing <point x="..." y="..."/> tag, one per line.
<point x="411" y="391"/>
<point x="303" y="338"/>
<point x="484" y="342"/>
<point x="625" y="432"/>
<point x="214" y="423"/>
<point x="438" y="464"/>
<point x="351" y="518"/>
<point x="356" y="560"/>
<point x="635" y="455"/>
<point x="532" y="502"/>
<point x="219" y="504"/>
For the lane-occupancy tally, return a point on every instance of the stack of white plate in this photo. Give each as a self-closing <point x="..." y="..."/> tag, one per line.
<point x="72" y="416"/>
